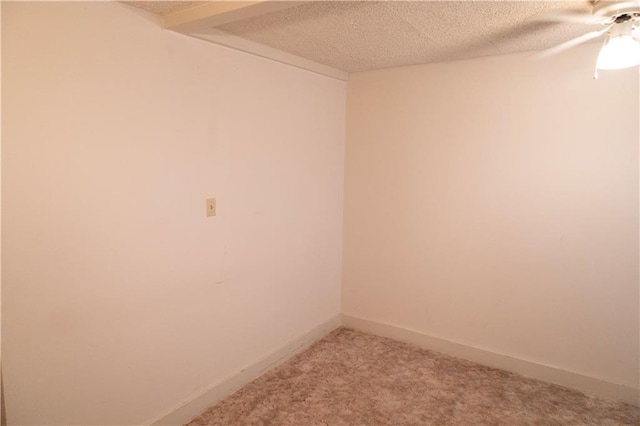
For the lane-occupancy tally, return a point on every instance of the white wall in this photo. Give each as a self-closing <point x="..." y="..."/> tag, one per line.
<point x="120" y="298"/>
<point x="2" y="417"/>
<point x="494" y="203"/>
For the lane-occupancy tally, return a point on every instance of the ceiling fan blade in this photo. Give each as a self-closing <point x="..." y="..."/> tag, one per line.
<point x="609" y="7"/>
<point x="571" y="43"/>
<point x="574" y="18"/>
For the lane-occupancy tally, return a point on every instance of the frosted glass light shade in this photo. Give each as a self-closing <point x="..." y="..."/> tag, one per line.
<point x="621" y="50"/>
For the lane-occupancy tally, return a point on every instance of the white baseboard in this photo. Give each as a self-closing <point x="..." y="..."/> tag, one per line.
<point x="198" y="403"/>
<point x="586" y="384"/>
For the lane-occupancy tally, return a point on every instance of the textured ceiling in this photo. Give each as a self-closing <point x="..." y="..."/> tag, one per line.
<point x="364" y="35"/>
<point x="163" y="8"/>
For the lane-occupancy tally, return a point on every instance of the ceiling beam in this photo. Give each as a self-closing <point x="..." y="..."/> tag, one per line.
<point x="216" y="13"/>
<point x="239" y="43"/>
<point x="201" y="22"/>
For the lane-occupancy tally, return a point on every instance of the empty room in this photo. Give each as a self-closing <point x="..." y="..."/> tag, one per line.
<point x="320" y="213"/>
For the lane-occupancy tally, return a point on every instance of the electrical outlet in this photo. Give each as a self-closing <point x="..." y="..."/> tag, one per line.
<point x="211" y="207"/>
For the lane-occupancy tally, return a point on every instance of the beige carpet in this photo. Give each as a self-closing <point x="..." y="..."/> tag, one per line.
<point x="353" y="378"/>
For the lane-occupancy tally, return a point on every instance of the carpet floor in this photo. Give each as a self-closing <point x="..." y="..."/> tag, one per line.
<point x="353" y="378"/>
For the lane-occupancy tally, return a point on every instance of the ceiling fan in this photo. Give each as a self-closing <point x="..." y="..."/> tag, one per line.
<point x="621" y="27"/>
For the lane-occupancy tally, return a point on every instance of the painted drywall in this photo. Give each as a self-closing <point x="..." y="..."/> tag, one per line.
<point x="494" y="203"/>
<point x="121" y="299"/>
<point x="2" y="415"/>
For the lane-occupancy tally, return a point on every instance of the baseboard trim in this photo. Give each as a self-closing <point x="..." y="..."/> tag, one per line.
<point x="199" y="402"/>
<point x="586" y="384"/>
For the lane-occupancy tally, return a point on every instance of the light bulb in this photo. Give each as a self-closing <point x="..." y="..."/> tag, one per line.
<point x="621" y="50"/>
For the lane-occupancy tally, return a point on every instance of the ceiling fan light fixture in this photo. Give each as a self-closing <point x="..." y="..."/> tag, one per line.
<point x="621" y="49"/>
